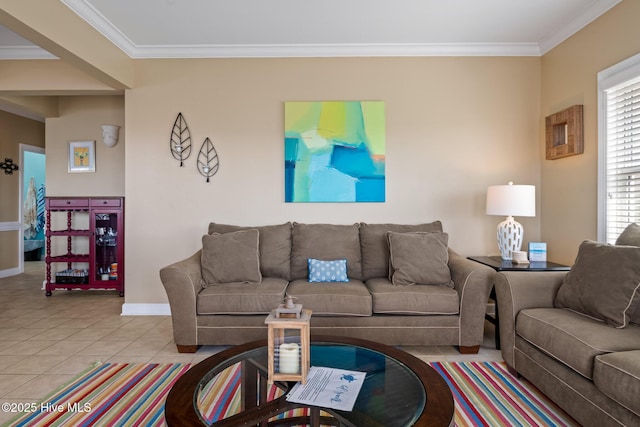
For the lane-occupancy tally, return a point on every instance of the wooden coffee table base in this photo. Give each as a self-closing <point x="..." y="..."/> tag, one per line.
<point x="181" y="411"/>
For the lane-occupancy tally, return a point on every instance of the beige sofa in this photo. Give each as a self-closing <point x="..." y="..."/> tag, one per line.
<point x="432" y="295"/>
<point x="576" y="335"/>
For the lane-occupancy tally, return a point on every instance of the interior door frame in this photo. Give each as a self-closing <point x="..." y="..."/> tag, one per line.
<point x="33" y="149"/>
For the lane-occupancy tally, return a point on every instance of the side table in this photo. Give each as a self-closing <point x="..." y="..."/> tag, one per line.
<point x="499" y="264"/>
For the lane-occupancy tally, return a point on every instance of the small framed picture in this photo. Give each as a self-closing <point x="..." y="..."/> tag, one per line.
<point x="537" y="251"/>
<point x="82" y="156"/>
<point x="564" y="133"/>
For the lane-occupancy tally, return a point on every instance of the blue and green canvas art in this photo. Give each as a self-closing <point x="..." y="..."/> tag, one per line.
<point x="334" y="151"/>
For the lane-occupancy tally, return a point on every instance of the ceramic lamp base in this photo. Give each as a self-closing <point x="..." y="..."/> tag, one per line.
<point x="510" y="234"/>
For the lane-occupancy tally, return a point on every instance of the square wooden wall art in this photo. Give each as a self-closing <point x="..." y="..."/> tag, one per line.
<point x="564" y="135"/>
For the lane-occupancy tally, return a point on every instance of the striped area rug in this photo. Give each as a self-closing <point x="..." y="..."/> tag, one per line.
<point x="134" y="394"/>
<point x="110" y="394"/>
<point x="486" y="394"/>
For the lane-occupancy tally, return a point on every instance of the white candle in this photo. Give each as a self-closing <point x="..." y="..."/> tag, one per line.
<point x="205" y="169"/>
<point x="289" y="358"/>
<point x="178" y="148"/>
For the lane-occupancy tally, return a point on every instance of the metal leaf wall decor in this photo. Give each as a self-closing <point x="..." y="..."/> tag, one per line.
<point x="208" y="161"/>
<point x="180" y="142"/>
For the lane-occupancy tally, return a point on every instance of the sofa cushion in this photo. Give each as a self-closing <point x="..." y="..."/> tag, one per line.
<point x="573" y="338"/>
<point x="325" y="242"/>
<point x="630" y="236"/>
<point x="332" y="299"/>
<point x="231" y="257"/>
<point x="327" y="271"/>
<point x="375" y="246"/>
<point x="418" y="300"/>
<point x="275" y="247"/>
<point x="618" y="376"/>
<point x="238" y="298"/>
<point x="419" y="258"/>
<point x="604" y="283"/>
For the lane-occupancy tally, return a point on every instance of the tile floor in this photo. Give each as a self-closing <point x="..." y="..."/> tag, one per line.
<point x="47" y="341"/>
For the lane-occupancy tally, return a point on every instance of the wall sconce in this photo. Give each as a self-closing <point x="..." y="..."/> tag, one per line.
<point x="8" y="166"/>
<point x="208" y="161"/>
<point x="110" y="134"/>
<point x="180" y="142"/>
<point x="511" y="200"/>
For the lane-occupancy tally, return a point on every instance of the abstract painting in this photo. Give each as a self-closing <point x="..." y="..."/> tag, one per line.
<point x="334" y="151"/>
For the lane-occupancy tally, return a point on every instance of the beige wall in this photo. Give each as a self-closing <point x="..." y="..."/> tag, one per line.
<point x="10" y="250"/>
<point x="81" y="118"/>
<point x="14" y="130"/>
<point x="569" y="76"/>
<point x="454" y="126"/>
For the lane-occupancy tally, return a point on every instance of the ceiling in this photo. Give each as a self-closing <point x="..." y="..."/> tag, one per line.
<point x="277" y="28"/>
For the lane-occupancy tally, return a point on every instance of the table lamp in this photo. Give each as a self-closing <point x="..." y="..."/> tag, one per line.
<point x="511" y="200"/>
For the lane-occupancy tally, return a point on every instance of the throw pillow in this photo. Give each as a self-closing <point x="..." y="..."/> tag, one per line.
<point x="230" y="258"/>
<point x="375" y="246"/>
<point x="630" y="236"/>
<point x="275" y="247"/>
<point x="419" y="258"/>
<point x="603" y="283"/>
<point x="327" y="271"/>
<point x="325" y="241"/>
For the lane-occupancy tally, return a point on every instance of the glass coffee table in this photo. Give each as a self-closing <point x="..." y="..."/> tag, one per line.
<point x="230" y="389"/>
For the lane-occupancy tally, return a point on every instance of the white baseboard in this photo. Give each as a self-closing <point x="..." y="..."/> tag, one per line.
<point x="9" y="272"/>
<point x="131" y="309"/>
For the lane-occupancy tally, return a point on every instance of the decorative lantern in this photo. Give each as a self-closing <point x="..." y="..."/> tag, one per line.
<point x="288" y="347"/>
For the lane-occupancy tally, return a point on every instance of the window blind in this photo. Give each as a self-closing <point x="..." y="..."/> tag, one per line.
<point x="623" y="157"/>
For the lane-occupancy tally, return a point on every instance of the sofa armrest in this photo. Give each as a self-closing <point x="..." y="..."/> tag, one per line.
<point x="473" y="281"/>
<point x="182" y="282"/>
<point x="518" y="290"/>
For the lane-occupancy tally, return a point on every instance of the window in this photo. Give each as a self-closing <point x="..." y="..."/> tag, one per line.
<point x="619" y="148"/>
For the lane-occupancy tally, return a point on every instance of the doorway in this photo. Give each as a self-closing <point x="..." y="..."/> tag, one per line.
<point x="32" y="205"/>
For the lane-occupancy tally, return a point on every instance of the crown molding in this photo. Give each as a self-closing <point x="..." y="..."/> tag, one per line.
<point x="98" y="21"/>
<point x="589" y="15"/>
<point x="335" y="50"/>
<point x="87" y="12"/>
<point x="301" y="51"/>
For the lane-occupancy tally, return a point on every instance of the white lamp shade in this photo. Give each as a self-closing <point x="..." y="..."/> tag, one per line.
<point x="511" y="200"/>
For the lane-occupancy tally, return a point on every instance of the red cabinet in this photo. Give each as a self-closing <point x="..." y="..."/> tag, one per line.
<point x="85" y="243"/>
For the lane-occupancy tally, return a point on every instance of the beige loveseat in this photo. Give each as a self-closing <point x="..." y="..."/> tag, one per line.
<point x="576" y="335"/>
<point x="432" y="296"/>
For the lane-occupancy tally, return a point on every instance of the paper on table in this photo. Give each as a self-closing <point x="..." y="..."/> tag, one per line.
<point x="329" y="388"/>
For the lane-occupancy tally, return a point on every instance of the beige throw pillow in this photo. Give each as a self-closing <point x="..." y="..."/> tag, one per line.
<point x="231" y="257"/>
<point x="375" y="245"/>
<point x="275" y="246"/>
<point x="419" y="258"/>
<point x="603" y="283"/>
<point x="325" y="241"/>
<point x="630" y="236"/>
